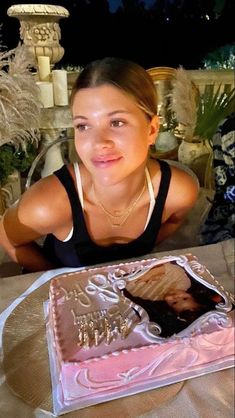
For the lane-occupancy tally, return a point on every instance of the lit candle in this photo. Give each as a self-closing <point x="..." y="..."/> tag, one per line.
<point x="46" y="93"/>
<point x="60" y="87"/>
<point x="44" y="68"/>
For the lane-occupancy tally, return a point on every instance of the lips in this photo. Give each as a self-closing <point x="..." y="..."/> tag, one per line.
<point x="105" y="160"/>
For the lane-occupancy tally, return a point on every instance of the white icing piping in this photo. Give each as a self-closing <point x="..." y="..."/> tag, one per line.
<point x="83" y="376"/>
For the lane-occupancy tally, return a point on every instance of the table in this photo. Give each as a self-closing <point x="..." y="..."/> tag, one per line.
<point x="209" y="396"/>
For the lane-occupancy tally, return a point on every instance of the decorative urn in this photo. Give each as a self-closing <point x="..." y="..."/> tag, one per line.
<point x="39" y="28"/>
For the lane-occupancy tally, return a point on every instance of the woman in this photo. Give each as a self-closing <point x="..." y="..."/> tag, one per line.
<point x="117" y="203"/>
<point x="178" y="308"/>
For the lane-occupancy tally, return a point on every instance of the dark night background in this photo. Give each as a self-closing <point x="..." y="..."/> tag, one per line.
<point x="152" y="33"/>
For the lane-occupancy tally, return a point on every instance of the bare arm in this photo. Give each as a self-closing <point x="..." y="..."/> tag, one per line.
<point x="181" y="198"/>
<point x="170" y="226"/>
<point x="28" y="255"/>
<point x="35" y="216"/>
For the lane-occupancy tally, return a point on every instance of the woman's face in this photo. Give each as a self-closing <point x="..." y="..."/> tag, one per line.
<point x="112" y="135"/>
<point x="180" y="301"/>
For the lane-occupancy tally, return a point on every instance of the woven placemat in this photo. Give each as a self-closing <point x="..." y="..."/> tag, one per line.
<point x="26" y="366"/>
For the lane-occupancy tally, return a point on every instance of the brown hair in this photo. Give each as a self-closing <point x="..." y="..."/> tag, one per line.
<point x="128" y="76"/>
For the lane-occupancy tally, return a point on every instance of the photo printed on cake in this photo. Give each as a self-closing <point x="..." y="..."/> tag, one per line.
<point x="171" y="297"/>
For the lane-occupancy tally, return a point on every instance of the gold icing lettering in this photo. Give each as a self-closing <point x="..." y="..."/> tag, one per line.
<point x="77" y="294"/>
<point x="97" y="327"/>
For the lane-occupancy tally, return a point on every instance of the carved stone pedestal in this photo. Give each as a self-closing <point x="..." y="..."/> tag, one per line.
<point x="39" y="28"/>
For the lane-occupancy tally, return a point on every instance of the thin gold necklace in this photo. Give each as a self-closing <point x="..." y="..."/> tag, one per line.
<point x="124" y="215"/>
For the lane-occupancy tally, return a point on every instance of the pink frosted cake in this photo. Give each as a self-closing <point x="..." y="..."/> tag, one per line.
<point x="123" y="329"/>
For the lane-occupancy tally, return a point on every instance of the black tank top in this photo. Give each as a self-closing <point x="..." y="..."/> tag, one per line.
<point x="80" y="250"/>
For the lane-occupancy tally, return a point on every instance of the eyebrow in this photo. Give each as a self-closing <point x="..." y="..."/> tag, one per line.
<point x="118" y="111"/>
<point x="114" y="112"/>
<point x="79" y="117"/>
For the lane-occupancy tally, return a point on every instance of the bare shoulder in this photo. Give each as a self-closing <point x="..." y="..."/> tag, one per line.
<point x="42" y="208"/>
<point x="184" y="177"/>
<point x="184" y="187"/>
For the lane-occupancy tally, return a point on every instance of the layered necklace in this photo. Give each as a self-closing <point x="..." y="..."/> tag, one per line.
<point x="119" y="218"/>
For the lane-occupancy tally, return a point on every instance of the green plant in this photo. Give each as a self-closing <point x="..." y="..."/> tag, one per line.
<point x="212" y="107"/>
<point x="199" y="114"/>
<point x="221" y="58"/>
<point x="19" y="112"/>
<point x="12" y="159"/>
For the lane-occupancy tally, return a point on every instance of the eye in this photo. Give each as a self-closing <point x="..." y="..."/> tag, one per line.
<point x="81" y="127"/>
<point x="117" y="123"/>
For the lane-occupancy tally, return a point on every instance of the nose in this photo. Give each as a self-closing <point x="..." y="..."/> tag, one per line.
<point x="102" y="139"/>
<point x="172" y="298"/>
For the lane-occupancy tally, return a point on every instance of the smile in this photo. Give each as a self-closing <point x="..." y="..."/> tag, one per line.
<point x="105" y="161"/>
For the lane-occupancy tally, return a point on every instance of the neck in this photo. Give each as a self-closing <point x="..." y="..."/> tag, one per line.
<point x="117" y="198"/>
<point x="117" y="218"/>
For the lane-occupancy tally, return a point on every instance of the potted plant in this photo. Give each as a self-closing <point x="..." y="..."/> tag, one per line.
<point x="19" y="110"/>
<point x="198" y="117"/>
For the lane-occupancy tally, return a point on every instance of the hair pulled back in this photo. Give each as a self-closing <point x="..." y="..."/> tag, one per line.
<point x="126" y="75"/>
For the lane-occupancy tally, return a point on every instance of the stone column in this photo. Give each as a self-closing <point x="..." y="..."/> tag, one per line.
<point x="53" y="122"/>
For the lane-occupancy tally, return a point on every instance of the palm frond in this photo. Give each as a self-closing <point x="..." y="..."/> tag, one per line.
<point x="200" y="114"/>
<point x="213" y="108"/>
